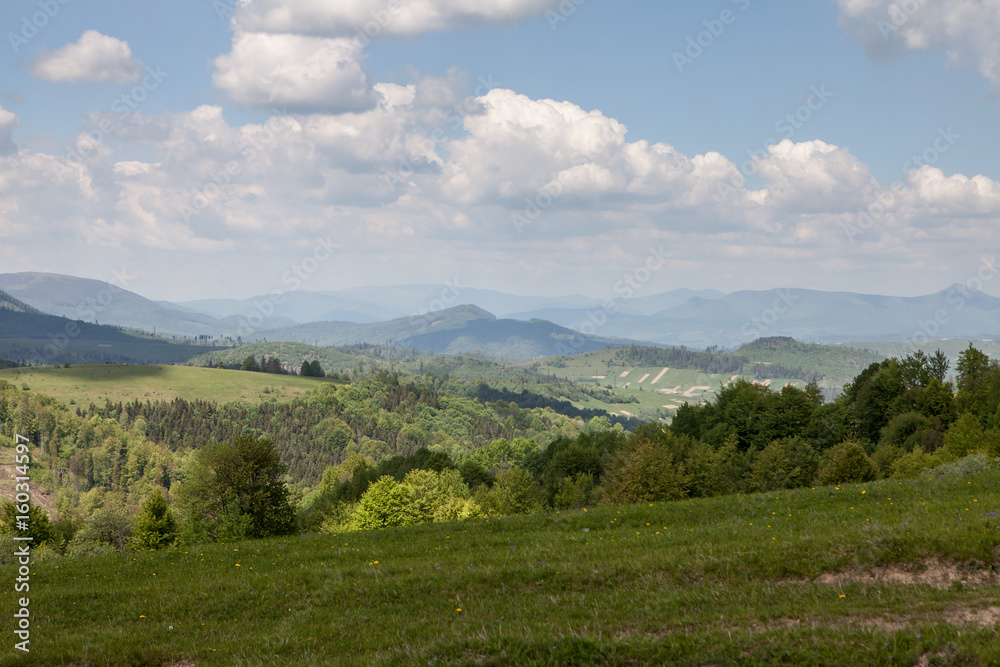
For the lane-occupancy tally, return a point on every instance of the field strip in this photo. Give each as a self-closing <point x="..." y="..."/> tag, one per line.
<point x="624" y="373"/>
<point x="643" y="378"/>
<point x="690" y="392"/>
<point x="675" y="390"/>
<point x="657" y="378"/>
<point x="598" y="377"/>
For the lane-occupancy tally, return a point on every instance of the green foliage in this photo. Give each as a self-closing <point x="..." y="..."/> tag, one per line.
<point x="155" y="526"/>
<point x="110" y="526"/>
<point x="784" y="464"/>
<point x="513" y="493"/>
<point x="912" y="464"/>
<point x="976" y="383"/>
<point x="241" y="481"/>
<point x="648" y="468"/>
<point x="250" y="364"/>
<point x="312" y="369"/>
<point x="967" y="466"/>
<point x="384" y="505"/>
<point x="967" y="436"/>
<point x="39" y="528"/>
<point x="501" y="453"/>
<point x="846" y="463"/>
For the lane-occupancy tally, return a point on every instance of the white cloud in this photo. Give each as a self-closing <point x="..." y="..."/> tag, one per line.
<point x="815" y="176"/>
<point x="367" y="19"/>
<point x="294" y="71"/>
<point x="8" y="121"/>
<point x="968" y="29"/>
<point x="258" y="190"/>
<point x="94" y="58"/>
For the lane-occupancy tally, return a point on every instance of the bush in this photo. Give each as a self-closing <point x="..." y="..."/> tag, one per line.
<point x="909" y="466"/>
<point x="846" y="463"/>
<point x="648" y="473"/>
<point x="964" y="467"/>
<point x="514" y="492"/>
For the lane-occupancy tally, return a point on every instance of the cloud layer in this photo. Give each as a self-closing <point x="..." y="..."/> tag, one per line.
<point x="534" y="186"/>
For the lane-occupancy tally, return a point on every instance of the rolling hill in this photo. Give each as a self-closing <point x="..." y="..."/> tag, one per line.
<point x="97" y="301"/>
<point x="37" y="338"/>
<point x="458" y="330"/>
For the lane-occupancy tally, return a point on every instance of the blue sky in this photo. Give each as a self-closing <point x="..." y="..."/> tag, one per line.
<point x="508" y="145"/>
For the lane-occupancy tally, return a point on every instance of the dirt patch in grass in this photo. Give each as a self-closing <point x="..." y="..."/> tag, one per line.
<point x="936" y="573"/>
<point x="983" y="617"/>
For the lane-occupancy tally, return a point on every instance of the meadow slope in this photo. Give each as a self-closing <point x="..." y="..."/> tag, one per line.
<point x="886" y="573"/>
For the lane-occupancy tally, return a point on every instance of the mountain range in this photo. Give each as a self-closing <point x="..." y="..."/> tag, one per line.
<point x="452" y="318"/>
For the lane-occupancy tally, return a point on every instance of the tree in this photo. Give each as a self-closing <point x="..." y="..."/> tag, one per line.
<point x="155" y="526"/>
<point x="242" y="479"/>
<point x="976" y="383"/>
<point x="649" y="467"/>
<point x="250" y="364"/>
<point x="38" y="526"/>
<point x="383" y="505"/>
<point x="513" y="493"/>
<point x="847" y="462"/>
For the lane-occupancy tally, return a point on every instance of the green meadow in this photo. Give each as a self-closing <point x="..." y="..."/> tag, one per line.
<point x="97" y="383"/>
<point x="886" y="573"/>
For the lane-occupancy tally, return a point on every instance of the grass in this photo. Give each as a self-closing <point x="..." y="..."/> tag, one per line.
<point x="97" y="383"/>
<point x="734" y="580"/>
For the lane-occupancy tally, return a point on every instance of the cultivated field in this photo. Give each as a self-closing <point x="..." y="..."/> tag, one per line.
<point x="659" y="391"/>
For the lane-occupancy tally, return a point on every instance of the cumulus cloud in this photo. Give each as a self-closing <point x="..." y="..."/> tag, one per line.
<point x="294" y="71"/>
<point x="207" y="186"/>
<point x="94" y="58"/>
<point x="968" y="29"/>
<point x="368" y="19"/>
<point x="815" y="176"/>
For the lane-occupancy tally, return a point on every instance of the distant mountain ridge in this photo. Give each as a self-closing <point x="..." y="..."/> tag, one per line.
<point x="695" y="318"/>
<point x="458" y="330"/>
<point x="96" y="301"/>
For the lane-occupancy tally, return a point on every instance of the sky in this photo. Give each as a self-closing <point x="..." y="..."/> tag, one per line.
<point x="225" y="149"/>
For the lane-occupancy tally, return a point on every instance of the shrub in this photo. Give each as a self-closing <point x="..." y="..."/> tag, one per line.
<point x="847" y="462"/>
<point x="155" y="526"/>
<point x="973" y="464"/>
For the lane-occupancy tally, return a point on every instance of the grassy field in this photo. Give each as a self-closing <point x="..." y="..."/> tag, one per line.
<point x="658" y="394"/>
<point x="87" y="384"/>
<point x="888" y="573"/>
